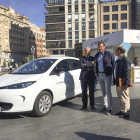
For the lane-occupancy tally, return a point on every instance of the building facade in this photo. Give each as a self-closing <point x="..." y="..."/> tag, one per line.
<point x="14" y="37"/>
<point x="113" y="16"/>
<point x="69" y="22"/>
<point x="37" y="40"/>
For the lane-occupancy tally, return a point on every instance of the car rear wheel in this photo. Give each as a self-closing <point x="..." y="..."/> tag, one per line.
<point x="43" y="104"/>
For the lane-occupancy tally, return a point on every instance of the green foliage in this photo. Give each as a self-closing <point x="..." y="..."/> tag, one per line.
<point x="4" y="64"/>
<point x="9" y="63"/>
<point x="20" y="64"/>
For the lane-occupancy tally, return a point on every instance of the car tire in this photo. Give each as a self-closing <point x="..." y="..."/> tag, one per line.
<point x="43" y="104"/>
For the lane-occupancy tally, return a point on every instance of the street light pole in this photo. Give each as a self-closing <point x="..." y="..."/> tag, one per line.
<point x="33" y="50"/>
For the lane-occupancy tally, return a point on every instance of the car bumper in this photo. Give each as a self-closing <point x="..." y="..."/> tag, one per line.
<point x="17" y="100"/>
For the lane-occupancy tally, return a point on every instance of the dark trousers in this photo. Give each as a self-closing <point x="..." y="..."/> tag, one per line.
<point x="90" y="84"/>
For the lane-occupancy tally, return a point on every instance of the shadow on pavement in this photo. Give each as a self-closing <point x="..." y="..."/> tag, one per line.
<point x="134" y="110"/>
<point x="90" y="136"/>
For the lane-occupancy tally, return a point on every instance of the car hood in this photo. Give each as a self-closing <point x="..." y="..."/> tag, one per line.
<point x="9" y="79"/>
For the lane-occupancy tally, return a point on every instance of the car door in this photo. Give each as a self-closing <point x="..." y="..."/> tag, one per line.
<point x="62" y="80"/>
<point x="75" y="72"/>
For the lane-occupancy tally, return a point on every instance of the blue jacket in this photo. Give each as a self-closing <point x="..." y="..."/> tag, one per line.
<point x="87" y="70"/>
<point x="108" y="63"/>
<point x="123" y="70"/>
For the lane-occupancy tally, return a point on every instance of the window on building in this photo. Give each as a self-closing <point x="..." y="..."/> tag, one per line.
<point x="0" y="47"/>
<point x="76" y="26"/>
<point x="106" y="33"/>
<point x="114" y="8"/>
<point x="7" y="47"/>
<point x="76" y="16"/>
<point x="83" y="34"/>
<point x="6" y="26"/>
<point x="6" y="40"/>
<point x="123" y="25"/>
<point x="0" y="32"/>
<point x="114" y="25"/>
<point x="106" y="8"/>
<point x="62" y="52"/>
<point x="69" y="17"/>
<point x="106" y="26"/>
<point x="106" y="17"/>
<point x="123" y="16"/>
<point x="55" y="52"/>
<point x="69" y="26"/>
<point x="83" y="25"/>
<point x="124" y="7"/>
<point x="6" y="33"/>
<point x="76" y="34"/>
<point x="83" y="7"/>
<point x="70" y="43"/>
<point x="115" y="17"/>
<point x="0" y="39"/>
<point x="76" y="8"/>
<point x="83" y="16"/>
<point x="69" y="8"/>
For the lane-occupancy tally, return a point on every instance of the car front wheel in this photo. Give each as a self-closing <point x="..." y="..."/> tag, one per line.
<point x="43" y="104"/>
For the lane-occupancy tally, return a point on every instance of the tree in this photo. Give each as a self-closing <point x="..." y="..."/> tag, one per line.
<point x="9" y="63"/>
<point x="20" y="64"/>
<point x="4" y="64"/>
<point x="25" y="59"/>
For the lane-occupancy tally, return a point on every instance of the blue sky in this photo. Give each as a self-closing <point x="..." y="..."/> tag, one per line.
<point x="33" y="9"/>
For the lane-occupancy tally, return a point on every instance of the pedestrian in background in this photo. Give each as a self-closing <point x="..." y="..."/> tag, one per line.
<point x="122" y="70"/>
<point x="87" y="77"/>
<point x="10" y="67"/>
<point x="105" y="62"/>
<point x="136" y="63"/>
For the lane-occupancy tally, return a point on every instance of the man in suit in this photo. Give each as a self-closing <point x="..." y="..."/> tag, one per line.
<point x="105" y="62"/>
<point x="87" y="77"/>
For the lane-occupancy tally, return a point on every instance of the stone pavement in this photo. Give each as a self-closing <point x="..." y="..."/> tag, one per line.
<point x="67" y="122"/>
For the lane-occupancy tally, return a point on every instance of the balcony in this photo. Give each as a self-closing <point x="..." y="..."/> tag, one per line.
<point x="58" y="12"/>
<point x="76" y="19"/>
<point x="55" y="4"/>
<point x="76" y="28"/>
<point x="83" y="10"/>
<point x="83" y="19"/>
<point x="90" y="0"/>
<point x="83" y="28"/>
<point x="55" y="38"/>
<point x="70" y="29"/>
<point x="55" y="19"/>
<point x="91" y="10"/>
<point x="76" y="2"/>
<point x="69" y="11"/>
<point x="83" y="1"/>
<point x="69" y="2"/>
<point x="52" y="30"/>
<point x="76" y="11"/>
<point x="91" y="27"/>
<point x="77" y="37"/>
<point x="83" y="37"/>
<point x="69" y="20"/>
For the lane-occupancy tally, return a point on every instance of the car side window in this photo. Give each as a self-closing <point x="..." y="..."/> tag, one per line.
<point x="74" y="64"/>
<point x="64" y="65"/>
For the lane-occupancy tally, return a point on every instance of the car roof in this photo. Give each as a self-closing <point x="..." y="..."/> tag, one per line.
<point x="57" y="57"/>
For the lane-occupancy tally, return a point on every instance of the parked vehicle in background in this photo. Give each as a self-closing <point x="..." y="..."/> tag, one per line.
<point x="4" y="68"/>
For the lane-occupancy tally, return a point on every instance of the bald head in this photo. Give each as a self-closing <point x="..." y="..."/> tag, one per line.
<point x="87" y="51"/>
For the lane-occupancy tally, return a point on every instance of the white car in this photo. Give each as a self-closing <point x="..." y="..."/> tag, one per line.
<point x="4" y="68"/>
<point x="35" y="86"/>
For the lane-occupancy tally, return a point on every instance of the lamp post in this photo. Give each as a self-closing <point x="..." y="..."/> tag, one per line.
<point x="33" y="50"/>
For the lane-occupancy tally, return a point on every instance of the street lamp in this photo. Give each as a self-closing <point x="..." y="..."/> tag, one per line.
<point x="33" y="50"/>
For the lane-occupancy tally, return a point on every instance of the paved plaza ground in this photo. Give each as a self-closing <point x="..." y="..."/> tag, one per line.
<point x="67" y="122"/>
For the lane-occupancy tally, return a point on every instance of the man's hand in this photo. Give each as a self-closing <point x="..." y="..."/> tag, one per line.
<point x="83" y="64"/>
<point x="125" y="86"/>
<point x="93" y="62"/>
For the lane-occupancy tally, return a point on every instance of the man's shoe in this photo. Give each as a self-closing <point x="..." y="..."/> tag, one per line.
<point x="109" y="112"/>
<point x="104" y="109"/>
<point x="82" y="108"/>
<point x="119" y="113"/>
<point x="125" y="116"/>
<point x="93" y="108"/>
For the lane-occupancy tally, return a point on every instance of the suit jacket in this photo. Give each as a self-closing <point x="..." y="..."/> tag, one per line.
<point x="87" y="70"/>
<point x="108" y="63"/>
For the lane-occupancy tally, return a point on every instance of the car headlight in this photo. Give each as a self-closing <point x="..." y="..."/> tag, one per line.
<point x="18" y="85"/>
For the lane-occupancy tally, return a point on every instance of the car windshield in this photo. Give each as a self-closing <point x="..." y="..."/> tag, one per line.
<point x="35" y="67"/>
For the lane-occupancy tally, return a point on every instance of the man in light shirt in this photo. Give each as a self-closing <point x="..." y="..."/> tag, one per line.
<point x="105" y="62"/>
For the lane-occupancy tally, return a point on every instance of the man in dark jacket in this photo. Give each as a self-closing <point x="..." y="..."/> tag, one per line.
<point x="87" y="77"/>
<point x="122" y="70"/>
<point x="105" y="62"/>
